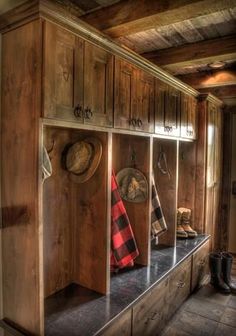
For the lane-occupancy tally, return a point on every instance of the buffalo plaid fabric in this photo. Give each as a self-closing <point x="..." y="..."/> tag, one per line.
<point x="157" y="218"/>
<point x="123" y="246"/>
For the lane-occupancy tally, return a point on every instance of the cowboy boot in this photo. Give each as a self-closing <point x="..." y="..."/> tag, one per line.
<point x="215" y="263"/>
<point x="227" y="260"/>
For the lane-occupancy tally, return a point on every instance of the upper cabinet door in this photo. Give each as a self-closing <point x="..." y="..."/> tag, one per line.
<point x="98" y="86"/>
<point x="188" y="116"/>
<point x="63" y="74"/>
<point x="124" y="95"/>
<point x="167" y="112"/>
<point x="145" y="102"/>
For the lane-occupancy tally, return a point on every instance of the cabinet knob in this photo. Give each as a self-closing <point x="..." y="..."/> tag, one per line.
<point x="181" y="284"/>
<point x="133" y="122"/>
<point x="88" y="113"/>
<point x="78" y="111"/>
<point x="139" y="122"/>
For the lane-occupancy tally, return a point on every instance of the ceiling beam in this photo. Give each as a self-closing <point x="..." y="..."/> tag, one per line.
<point x="202" y="52"/>
<point x="209" y="79"/>
<point x="132" y="16"/>
<point x="221" y="92"/>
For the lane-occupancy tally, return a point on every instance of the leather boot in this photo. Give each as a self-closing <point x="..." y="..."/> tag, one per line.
<point x="227" y="260"/>
<point x="215" y="263"/>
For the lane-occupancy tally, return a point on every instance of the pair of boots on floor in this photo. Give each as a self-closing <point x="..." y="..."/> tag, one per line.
<point x="220" y="267"/>
<point x="184" y="229"/>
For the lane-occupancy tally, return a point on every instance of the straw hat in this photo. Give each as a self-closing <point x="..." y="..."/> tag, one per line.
<point x="82" y="159"/>
<point x="133" y="186"/>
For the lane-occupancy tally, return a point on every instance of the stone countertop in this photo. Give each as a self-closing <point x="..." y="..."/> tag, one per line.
<point x="77" y="311"/>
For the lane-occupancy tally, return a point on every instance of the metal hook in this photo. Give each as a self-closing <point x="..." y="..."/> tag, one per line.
<point x="52" y="147"/>
<point x="133" y="158"/>
<point x="162" y="157"/>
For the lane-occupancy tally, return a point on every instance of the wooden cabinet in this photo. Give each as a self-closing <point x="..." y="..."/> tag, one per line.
<point x="78" y="79"/>
<point x="134" y="98"/>
<point x="150" y="314"/>
<point x="188" y="116"/>
<point x="122" y="326"/>
<point x="167" y="111"/>
<point x="179" y="285"/>
<point x="200" y="266"/>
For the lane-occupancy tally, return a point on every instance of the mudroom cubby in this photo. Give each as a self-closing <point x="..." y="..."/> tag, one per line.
<point x="165" y="164"/>
<point x="134" y="151"/>
<point x="75" y="232"/>
<point x="187" y="179"/>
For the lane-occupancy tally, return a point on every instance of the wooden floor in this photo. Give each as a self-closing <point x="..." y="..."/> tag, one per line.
<point x="205" y="313"/>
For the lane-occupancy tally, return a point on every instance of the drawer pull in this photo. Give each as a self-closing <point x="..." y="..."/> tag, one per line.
<point x="78" y="111"/>
<point x="154" y="316"/>
<point x="88" y="113"/>
<point x="181" y="284"/>
<point x="133" y="122"/>
<point x="202" y="263"/>
<point x="139" y="122"/>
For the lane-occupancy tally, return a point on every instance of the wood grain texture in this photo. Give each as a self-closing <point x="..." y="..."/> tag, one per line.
<point x="187" y="177"/>
<point x="91" y="241"/>
<point x="76" y="240"/>
<point x="123" y="148"/>
<point x="209" y="51"/>
<point x="167" y="109"/>
<point x="188" y="116"/>
<point x="150" y="314"/>
<point x="167" y="186"/>
<point x="122" y="326"/>
<point x="63" y="73"/>
<point x="57" y="216"/>
<point x="98" y="85"/>
<point x="200" y="266"/>
<point x="129" y="17"/>
<point x="21" y="80"/>
<point x="179" y="286"/>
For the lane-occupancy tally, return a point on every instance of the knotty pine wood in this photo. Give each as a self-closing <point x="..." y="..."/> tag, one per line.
<point x="98" y="84"/>
<point x="63" y="73"/>
<point x="188" y="116"/>
<point x="167" y="187"/>
<point x="138" y="213"/>
<point x="76" y="240"/>
<point x="21" y="84"/>
<point x="187" y="177"/>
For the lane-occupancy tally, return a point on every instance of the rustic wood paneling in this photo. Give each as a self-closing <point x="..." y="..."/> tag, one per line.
<point x="167" y="185"/>
<point x="124" y="147"/>
<point x="21" y="82"/>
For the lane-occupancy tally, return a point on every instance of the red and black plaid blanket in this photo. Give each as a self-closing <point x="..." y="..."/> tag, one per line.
<point x="123" y="246"/>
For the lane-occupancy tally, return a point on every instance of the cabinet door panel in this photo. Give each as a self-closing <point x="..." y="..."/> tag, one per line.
<point x="200" y="267"/>
<point x="179" y="285"/>
<point x="98" y="85"/>
<point x="150" y="314"/>
<point x="63" y="73"/>
<point x="124" y="94"/>
<point x="145" y="102"/>
<point x="167" y="111"/>
<point x="188" y="116"/>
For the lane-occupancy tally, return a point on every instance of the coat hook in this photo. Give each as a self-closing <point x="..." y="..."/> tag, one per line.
<point x="133" y="158"/>
<point x="52" y="147"/>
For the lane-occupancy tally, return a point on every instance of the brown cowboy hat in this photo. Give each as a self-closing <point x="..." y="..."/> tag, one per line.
<point x="133" y="186"/>
<point x="82" y="159"/>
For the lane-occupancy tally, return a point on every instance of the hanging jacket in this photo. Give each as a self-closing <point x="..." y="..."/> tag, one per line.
<point x="158" y="223"/>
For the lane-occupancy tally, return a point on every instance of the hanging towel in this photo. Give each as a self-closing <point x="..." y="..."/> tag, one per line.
<point x="123" y="246"/>
<point x="157" y="218"/>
